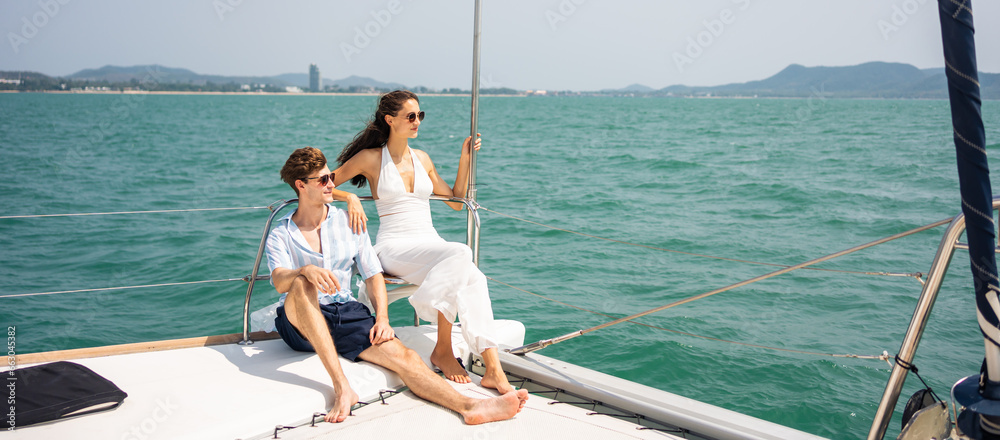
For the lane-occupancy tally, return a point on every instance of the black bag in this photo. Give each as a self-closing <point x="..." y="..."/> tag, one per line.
<point x="58" y="390"/>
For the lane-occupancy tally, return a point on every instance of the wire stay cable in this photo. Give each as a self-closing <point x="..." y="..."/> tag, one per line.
<point x="546" y="342"/>
<point x="882" y="357"/>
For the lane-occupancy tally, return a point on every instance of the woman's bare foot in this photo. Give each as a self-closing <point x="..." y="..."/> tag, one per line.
<point x="346" y="398"/>
<point x="494" y="409"/>
<point x="496" y="380"/>
<point x="449" y="366"/>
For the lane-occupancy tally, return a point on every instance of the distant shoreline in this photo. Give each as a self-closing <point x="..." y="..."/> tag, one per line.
<point x="132" y="92"/>
<point x="163" y="92"/>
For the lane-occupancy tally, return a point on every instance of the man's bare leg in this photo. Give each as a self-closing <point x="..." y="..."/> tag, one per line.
<point x="302" y="310"/>
<point x="443" y="356"/>
<point x="427" y="385"/>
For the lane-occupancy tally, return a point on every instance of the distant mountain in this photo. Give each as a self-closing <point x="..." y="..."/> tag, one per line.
<point x="869" y="80"/>
<point x="23" y="75"/>
<point x="633" y="88"/>
<point x="359" y="81"/>
<point x="118" y="73"/>
<point x="164" y="74"/>
<point x="933" y="71"/>
<point x="298" y="79"/>
<point x="302" y="80"/>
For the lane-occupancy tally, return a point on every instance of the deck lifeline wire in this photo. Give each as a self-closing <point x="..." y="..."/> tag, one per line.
<point x="916" y="275"/>
<point x="883" y="356"/>
<point x="127" y="212"/>
<point x="16" y="295"/>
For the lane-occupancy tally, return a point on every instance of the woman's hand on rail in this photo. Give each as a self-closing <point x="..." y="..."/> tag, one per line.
<point x="468" y="141"/>
<point x="356" y="217"/>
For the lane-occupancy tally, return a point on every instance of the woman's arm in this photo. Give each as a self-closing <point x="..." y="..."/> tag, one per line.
<point x="461" y="187"/>
<point x="356" y="216"/>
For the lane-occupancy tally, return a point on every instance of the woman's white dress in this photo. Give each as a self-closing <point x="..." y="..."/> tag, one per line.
<point x="410" y="248"/>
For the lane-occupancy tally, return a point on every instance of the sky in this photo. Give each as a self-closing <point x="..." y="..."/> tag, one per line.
<point x="526" y="44"/>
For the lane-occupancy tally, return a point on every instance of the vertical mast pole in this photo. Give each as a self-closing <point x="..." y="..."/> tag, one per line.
<point x="473" y="228"/>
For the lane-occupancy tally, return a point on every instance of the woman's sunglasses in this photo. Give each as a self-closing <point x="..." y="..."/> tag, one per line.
<point x="323" y="180"/>
<point x="412" y="117"/>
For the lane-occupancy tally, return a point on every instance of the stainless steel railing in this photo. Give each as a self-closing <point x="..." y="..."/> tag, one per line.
<point x="276" y="207"/>
<point x="921" y="313"/>
<point x="256" y="266"/>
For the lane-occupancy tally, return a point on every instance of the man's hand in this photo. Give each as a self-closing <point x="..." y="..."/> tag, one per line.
<point x="381" y="331"/>
<point x="323" y="279"/>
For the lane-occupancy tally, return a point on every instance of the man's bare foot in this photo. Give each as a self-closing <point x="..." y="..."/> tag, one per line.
<point x="342" y="406"/>
<point x="496" y="380"/>
<point x="522" y="395"/>
<point x="449" y="366"/>
<point x="494" y="409"/>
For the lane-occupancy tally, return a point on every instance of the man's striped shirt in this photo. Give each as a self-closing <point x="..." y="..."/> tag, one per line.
<point x="342" y="249"/>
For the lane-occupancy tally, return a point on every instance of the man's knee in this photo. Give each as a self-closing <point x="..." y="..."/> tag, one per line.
<point x="411" y="357"/>
<point x="300" y="283"/>
<point x="301" y="288"/>
<point x="400" y="353"/>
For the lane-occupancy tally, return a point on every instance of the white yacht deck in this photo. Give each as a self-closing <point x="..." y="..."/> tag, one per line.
<point x="231" y="391"/>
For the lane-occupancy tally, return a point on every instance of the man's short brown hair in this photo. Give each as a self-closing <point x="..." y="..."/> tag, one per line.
<point x="301" y="164"/>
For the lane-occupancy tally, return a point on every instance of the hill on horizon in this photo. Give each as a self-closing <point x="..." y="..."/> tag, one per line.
<point x="302" y="80"/>
<point x="632" y="88"/>
<point x="868" y="80"/>
<point x="163" y="74"/>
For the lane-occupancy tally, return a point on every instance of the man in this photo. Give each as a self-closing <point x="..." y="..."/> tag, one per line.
<point x="311" y="253"/>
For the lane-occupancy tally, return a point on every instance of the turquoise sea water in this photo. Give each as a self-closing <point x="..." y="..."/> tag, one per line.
<point x="777" y="181"/>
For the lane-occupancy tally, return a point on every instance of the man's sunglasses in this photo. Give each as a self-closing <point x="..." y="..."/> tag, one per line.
<point x="323" y="180"/>
<point x="412" y="117"/>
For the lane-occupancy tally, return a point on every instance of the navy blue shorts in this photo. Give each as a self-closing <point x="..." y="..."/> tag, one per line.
<point x="349" y="324"/>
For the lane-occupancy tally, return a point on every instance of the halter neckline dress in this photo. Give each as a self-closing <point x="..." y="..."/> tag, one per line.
<point x="409" y="247"/>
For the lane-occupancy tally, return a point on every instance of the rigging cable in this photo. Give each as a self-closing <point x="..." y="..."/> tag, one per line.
<point x="882" y="357"/>
<point x="916" y="275"/>
<point x="534" y="346"/>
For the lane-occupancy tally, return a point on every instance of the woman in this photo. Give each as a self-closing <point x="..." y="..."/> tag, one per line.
<point x="402" y="180"/>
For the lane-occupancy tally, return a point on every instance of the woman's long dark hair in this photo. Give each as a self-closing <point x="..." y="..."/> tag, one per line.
<point x="376" y="133"/>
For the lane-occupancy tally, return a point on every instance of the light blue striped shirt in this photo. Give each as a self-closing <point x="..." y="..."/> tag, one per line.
<point x="342" y="249"/>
